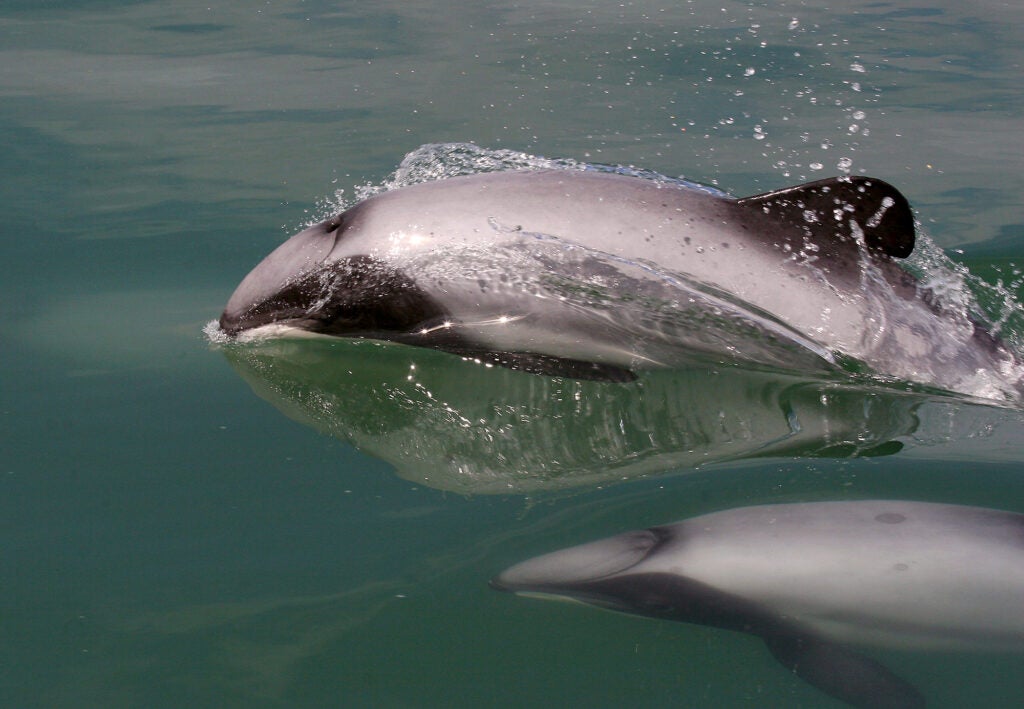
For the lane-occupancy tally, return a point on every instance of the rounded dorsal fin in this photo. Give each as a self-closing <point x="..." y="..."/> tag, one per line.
<point x="826" y="208"/>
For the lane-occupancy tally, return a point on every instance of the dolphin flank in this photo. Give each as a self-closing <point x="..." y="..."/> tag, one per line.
<point x="813" y="580"/>
<point x="593" y="274"/>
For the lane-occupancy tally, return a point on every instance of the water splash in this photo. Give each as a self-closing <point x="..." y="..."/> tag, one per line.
<point x="442" y="161"/>
<point x="215" y="333"/>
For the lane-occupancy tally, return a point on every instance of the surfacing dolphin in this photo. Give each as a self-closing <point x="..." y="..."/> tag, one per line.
<point x="593" y="274"/>
<point x="812" y="579"/>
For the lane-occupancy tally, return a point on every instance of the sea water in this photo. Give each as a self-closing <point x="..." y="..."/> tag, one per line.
<point x="176" y="534"/>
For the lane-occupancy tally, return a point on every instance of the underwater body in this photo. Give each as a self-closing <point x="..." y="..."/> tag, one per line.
<point x="814" y="581"/>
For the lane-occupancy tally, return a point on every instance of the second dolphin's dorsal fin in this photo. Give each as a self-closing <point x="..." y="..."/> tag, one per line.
<point x="825" y="208"/>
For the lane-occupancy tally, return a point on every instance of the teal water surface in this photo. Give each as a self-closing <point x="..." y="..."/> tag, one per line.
<point x="179" y="532"/>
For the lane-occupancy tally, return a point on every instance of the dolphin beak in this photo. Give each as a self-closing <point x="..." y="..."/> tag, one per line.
<point x="587" y="562"/>
<point x="288" y="263"/>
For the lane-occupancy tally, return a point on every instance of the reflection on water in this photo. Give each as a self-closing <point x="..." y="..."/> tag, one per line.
<point x="455" y="424"/>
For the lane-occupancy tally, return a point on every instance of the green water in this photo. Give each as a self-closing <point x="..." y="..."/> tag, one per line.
<point x="171" y="539"/>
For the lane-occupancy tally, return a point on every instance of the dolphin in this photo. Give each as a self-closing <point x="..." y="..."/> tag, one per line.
<point x="594" y="274"/>
<point x="813" y="580"/>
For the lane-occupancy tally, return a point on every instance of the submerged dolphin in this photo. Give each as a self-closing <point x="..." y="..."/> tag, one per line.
<point x="809" y="578"/>
<point x="594" y="274"/>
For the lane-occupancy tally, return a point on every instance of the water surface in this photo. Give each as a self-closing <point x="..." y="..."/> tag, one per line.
<point x="171" y="539"/>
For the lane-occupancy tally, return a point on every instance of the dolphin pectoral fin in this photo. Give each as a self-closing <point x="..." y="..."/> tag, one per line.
<point x="553" y="366"/>
<point x="823" y="210"/>
<point x="842" y="673"/>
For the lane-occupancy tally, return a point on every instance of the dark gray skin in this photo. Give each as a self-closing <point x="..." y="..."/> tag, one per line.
<point x="814" y="580"/>
<point x="466" y="265"/>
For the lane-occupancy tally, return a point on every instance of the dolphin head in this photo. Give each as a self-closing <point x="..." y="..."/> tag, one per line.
<point x="602" y="573"/>
<point x="641" y="572"/>
<point x="311" y="283"/>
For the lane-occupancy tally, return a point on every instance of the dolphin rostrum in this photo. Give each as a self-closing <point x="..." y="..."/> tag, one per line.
<point x="812" y="580"/>
<point x="595" y="274"/>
